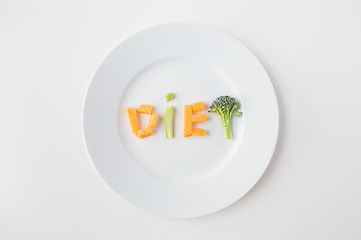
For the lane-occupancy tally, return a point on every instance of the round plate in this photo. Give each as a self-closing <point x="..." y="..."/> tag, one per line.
<point x="180" y="177"/>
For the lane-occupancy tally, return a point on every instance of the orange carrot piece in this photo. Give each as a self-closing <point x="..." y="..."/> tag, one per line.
<point x="145" y="132"/>
<point x="133" y="119"/>
<point x="198" y="106"/>
<point x="147" y="109"/>
<point x="153" y="120"/>
<point x="187" y="131"/>
<point x="198" y="132"/>
<point x="199" y="117"/>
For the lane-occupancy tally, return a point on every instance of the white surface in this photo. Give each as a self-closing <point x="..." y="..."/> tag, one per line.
<point x="49" y="50"/>
<point x="182" y="177"/>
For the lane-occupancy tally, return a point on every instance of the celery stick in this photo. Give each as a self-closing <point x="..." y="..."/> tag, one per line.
<point x="168" y="122"/>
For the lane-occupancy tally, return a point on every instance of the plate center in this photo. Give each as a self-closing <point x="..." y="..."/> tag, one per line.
<point x="180" y="159"/>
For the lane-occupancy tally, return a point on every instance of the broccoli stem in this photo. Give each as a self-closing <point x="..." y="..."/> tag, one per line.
<point x="227" y="129"/>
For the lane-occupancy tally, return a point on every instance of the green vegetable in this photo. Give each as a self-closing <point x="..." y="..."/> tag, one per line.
<point x="225" y="107"/>
<point x="169" y="96"/>
<point x="168" y="122"/>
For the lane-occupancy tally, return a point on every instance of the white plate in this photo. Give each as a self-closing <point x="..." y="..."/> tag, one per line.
<point x="181" y="177"/>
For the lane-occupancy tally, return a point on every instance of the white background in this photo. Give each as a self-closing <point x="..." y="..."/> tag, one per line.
<point x="48" y="52"/>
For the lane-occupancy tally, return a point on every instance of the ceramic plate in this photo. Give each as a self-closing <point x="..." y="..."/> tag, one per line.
<point x="180" y="177"/>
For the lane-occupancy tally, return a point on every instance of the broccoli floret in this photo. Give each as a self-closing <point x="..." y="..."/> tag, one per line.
<point x="225" y="107"/>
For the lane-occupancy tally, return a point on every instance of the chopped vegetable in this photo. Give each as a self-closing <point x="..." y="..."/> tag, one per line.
<point x="133" y="119"/>
<point x="198" y="106"/>
<point x="169" y="96"/>
<point x="198" y="132"/>
<point x="199" y="117"/>
<point x="145" y="132"/>
<point x="189" y="118"/>
<point x="153" y="120"/>
<point x="187" y="131"/>
<point x="168" y="122"/>
<point x="225" y="107"/>
<point x="147" y="109"/>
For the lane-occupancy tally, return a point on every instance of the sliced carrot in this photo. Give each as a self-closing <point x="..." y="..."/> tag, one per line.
<point x="133" y="119"/>
<point x="147" y="109"/>
<point x="198" y="106"/>
<point x="198" y="132"/>
<point x="187" y="131"/>
<point x="153" y="120"/>
<point x="199" y="117"/>
<point x="145" y="132"/>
